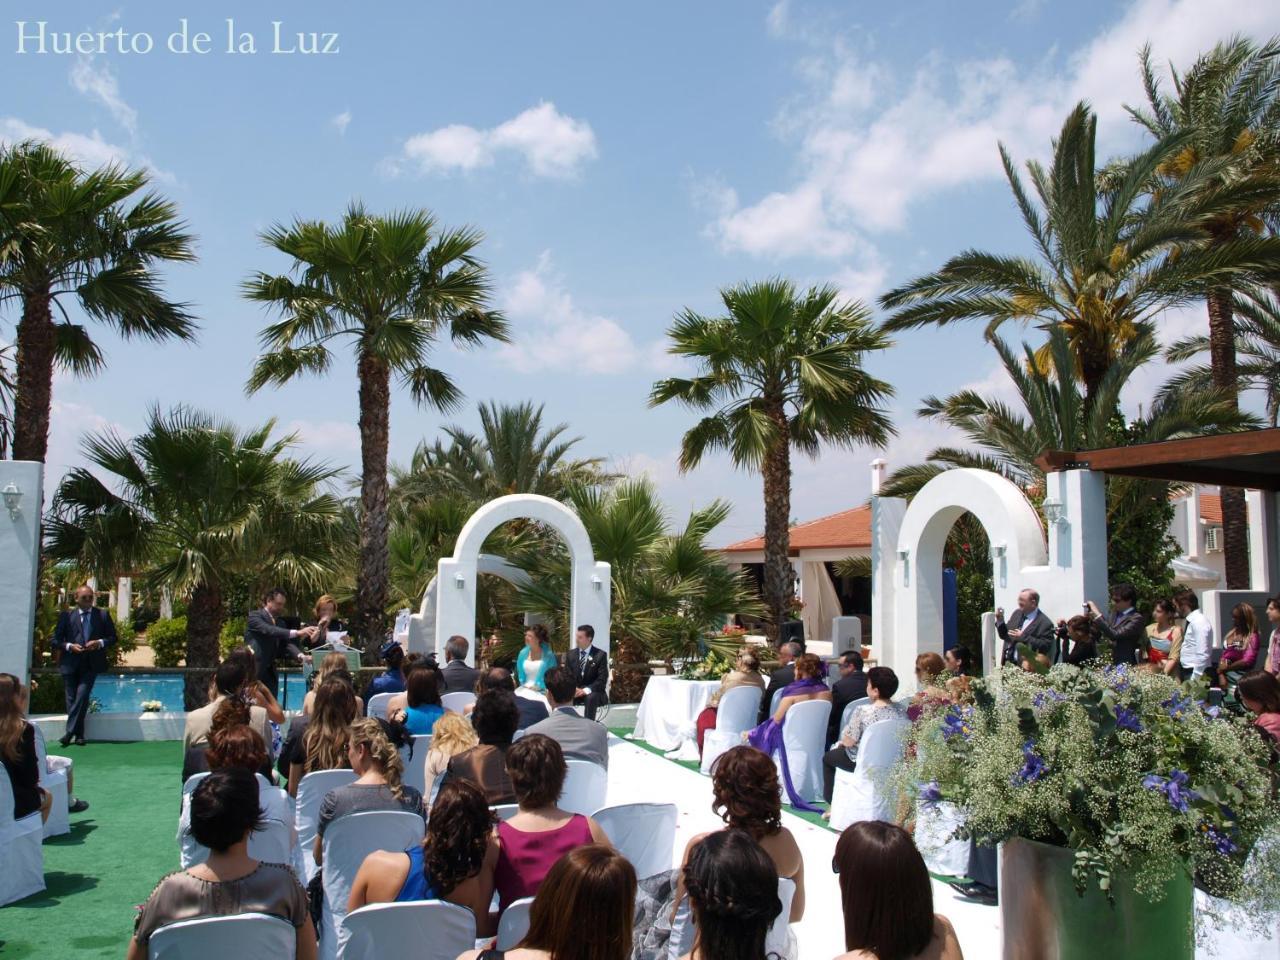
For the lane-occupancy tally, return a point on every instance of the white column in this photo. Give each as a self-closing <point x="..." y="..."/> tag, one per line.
<point x="1077" y="543"/>
<point x="124" y="601"/>
<point x="19" y="559"/>
<point x="886" y="524"/>
<point x="166" y="603"/>
<point x="877" y="475"/>
<point x="1194" y="528"/>
<point x="1264" y="541"/>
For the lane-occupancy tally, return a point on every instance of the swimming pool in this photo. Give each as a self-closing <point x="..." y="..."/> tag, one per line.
<point x="125" y="692"/>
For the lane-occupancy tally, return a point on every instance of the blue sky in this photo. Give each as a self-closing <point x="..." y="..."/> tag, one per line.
<point x="624" y="162"/>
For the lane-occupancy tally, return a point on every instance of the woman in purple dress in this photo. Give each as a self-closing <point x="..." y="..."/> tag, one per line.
<point x="808" y="685"/>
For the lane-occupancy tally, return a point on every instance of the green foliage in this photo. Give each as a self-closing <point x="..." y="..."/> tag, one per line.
<point x="48" y="693"/>
<point x="711" y="667"/>
<point x="168" y="641"/>
<point x="232" y="634"/>
<point x="968" y="553"/>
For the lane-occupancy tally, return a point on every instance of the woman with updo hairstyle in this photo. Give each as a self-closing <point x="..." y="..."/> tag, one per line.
<point x="535" y="659"/>
<point x="809" y="684"/>
<point x="733" y="891"/>
<point x="455" y="862"/>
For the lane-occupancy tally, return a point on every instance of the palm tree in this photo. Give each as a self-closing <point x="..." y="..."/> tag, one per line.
<point x="1256" y="315"/>
<point x="191" y="503"/>
<point x="392" y="285"/>
<point x="1227" y="110"/>
<point x="1110" y="252"/>
<point x="7" y="388"/>
<point x="67" y="235"/>
<point x="779" y="370"/>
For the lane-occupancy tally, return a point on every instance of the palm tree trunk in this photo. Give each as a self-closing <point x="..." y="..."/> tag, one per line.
<point x="373" y="575"/>
<point x="34" y="377"/>
<point x="205" y="614"/>
<point x="779" y="577"/>
<point x="1222" y="360"/>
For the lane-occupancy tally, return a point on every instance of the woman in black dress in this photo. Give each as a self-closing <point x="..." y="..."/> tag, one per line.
<point x="18" y="751"/>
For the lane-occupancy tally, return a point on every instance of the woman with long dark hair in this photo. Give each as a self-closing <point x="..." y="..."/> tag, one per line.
<point x="535" y="659"/>
<point x="733" y="890"/>
<point x="18" y="751"/>
<point x="324" y="745"/>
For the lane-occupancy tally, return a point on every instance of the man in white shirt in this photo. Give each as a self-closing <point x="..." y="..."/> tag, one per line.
<point x="1197" y="636"/>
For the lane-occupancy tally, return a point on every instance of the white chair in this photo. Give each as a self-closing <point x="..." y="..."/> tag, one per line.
<point x="585" y="787"/>
<point x="415" y="767"/>
<point x="347" y="841"/>
<point x="457" y="701"/>
<point x="936" y="824"/>
<point x="20" y="852"/>
<point x="866" y="794"/>
<point x="736" y="715"/>
<point x="847" y="714"/>
<point x="377" y="705"/>
<point x="774" y="701"/>
<point x="804" y="738"/>
<point x="514" y="923"/>
<point x="276" y="842"/>
<point x="425" y="930"/>
<point x="505" y="811"/>
<point x="644" y="833"/>
<point x="778" y="943"/>
<point x="55" y="781"/>
<point x="311" y="792"/>
<point x="245" y="936"/>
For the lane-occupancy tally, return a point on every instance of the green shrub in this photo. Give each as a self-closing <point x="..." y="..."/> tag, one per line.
<point x="47" y="693"/>
<point x="168" y="641"/>
<point x="232" y="634"/>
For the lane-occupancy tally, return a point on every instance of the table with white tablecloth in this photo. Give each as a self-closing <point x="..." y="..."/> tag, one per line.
<point x="668" y="713"/>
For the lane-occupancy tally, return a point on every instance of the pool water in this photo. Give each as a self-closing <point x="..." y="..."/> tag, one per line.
<point x="125" y="693"/>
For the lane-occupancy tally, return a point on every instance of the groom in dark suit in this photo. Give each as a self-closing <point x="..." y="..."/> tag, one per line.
<point x="270" y="641"/>
<point x="82" y="636"/>
<point x="589" y="667"/>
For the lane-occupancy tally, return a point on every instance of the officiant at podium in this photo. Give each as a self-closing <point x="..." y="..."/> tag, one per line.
<point x="329" y="629"/>
<point x="589" y="667"/>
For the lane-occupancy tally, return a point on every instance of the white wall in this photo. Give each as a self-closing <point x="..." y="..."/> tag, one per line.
<point x="19" y="556"/>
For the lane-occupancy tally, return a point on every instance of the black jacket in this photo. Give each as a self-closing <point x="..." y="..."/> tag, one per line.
<point x="594" y="674"/>
<point x="843" y="692"/>
<point x="270" y="642"/>
<point x="1126" y="631"/>
<point x="778" y="680"/>
<point x="457" y="677"/>
<point x="68" y="630"/>
<point x="1041" y="635"/>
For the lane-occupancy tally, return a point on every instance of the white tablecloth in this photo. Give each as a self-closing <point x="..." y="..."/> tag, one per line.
<point x="669" y="710"/>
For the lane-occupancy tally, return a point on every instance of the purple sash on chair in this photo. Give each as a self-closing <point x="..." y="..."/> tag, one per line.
<point x="767" y="737"/>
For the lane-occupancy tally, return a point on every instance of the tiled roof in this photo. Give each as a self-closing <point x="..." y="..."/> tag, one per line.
<point x="1211" y="508"/>
<point x="847" y="529"/>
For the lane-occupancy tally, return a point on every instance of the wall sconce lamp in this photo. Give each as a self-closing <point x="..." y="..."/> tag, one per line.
<point x="596" y="582"/>
<point x="998" y="550"/>
<point x="903" y="555"/>
<point x="459" y="581"/>
<point x="12" y="500"/>
<point x="1053" y="513"/>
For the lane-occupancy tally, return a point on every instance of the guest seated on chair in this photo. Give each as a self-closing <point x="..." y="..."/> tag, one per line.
<point x="1241" y="645"/>
<point x="499" y="678"/>
<point x="457" y="677"/>
<point x="495" y="717"/>
<point x="392" y="679"/>
<point x="882" y="684"/>
<point x="255" y="691"/>
<point x="373" y="750"/>
<point x="453" y="734"/>
<point x="420" y="707"/>
<point x="455" y="862"/>
<point x="931" y="691"/>
<point x="783" y="675"/>
<point x="1259" y="692"/>
<point x="733" y="893"/>
<point x="579" y="738"/>
<point x="887" y="898"/>
<point x="745" y="673"/>
<point x="54" y="764"/>
<point x="18" y="751"/>
<point x="767" y="737"/>
<point x="851" y="686"/>
<point x="224" y="812"/>
<point x="231" y="712"/>
<point x="583" y="911"/>
<point x="230" y="681"/>
<point x="540" y="833"/>
<point x="324" y="744"/>
<point x="333" y="664"/>
<point x="535" y="659"/>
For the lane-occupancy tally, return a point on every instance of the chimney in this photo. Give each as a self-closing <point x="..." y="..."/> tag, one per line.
<point x="877" y="475"/>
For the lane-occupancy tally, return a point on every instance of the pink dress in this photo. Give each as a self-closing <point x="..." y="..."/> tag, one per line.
<point x="526" y="858"/>
<point x="1242" y="658"/>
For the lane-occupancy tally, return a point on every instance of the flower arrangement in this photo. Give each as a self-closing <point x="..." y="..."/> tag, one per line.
<point x="1129" y="769"/>
<point x="732" y="632"/>
<point x="711" y="667"/>
<point x="152" y="706"/>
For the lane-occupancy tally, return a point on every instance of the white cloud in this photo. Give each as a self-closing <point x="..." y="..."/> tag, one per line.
<point x="778" y="18"/>
<point x="89" y="149"/>
<point x="325" y="438"/>
<point x="69" y="424"/>
<point x="550" y="143"/>
<point x="340" y="122"/>
<point x="1026" y="10"/>
<point x="96" y="81"/>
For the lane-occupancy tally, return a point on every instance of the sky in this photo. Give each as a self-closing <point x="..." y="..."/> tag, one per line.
<point x="624" y="161"/>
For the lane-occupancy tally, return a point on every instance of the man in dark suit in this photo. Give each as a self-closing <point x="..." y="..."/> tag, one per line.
<point x="270" y="640"/>
<point x="589" y="667"/>
<point x="851" y="686"/>
<point x="531" y="711"/>
<point x="457" y="677"/>
<point x="1029" y="625"/>
<point x="82" y="635"/>
<point x="783" y="675"/>
<point x="1126" y="628"/>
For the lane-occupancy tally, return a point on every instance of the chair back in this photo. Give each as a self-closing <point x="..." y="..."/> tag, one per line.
<point x="245" y="936"/>
<point x="347" y="841"/>
<point x="738" y="709"/>
<point x="377" y="705"/>
<point x="425" y="930"/>
<point x="777" y="942"/>
<point x="868" y="793"/>
<point x="775" y="700"/>
<point x="458" y="701"/>
<point x="847" y="714"/>
<point x="505" y="811"/>
<point x="881" y="747"/>
<point x="311" y="793"/>
<point x="585" y="787"/>
<point x="804" y="738"/>
<point x="514" y="923"/>
<point x="189" y="785"/>
<point x="415" y="766"/>
<point x="644" y="833"/>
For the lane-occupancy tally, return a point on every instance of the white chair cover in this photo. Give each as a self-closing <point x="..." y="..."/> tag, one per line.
<point x="425" y="930"/>
<point x="736" y="714"/>
<point x="779" y="942"/>
<point x="847" y="714"/>
<point x="311" y="792"/>
<point x="866" y="794"/>
<point x="276" y="842"/>
<point x="804" y="738"/>
<point x="55" y="781"/>
<point x="415" y="767"/>
<point x="774" y="701"/>
<point x="377" y="705"/>
<point x="20" y="853"/>
<point x="347" y="841"/>
<point x="245" y="936"/>
<point x="458" y="701"/>
<point x="935" y="824"/>
<point x="585" y="787"/>
<point x="644" y="833"/>
<point x="514" y="923"/>
<point x="505" y="811"/>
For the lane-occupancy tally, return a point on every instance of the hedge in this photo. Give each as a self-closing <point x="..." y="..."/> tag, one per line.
<point x="168" y="641"/>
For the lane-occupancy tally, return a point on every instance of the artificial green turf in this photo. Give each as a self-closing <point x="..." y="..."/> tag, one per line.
<point x="115" y="854"/>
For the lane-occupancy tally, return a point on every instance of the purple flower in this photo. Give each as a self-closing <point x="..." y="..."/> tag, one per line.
<point x="930" y="792"/>
<point x="1175" y="787"/>
<point x="1222" y="843"/>
<point x="1211" y="712"/>
<point x="1033" y="765"/>
<point x="1127" y="719"/>
<point x="1178" y="707"/>
<point x="1047" y="698"/>
<point x="1118" y="677"/>
<point x="955" y="723"/>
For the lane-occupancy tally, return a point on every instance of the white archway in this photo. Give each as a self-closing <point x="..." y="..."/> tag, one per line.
<point x="455" y="582"/>
<point x="908" y="542"/>
<point x="422" y="625"/>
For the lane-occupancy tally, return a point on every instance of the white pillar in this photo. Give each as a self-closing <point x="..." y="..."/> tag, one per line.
<point x="1194" y="528"/>
<point x="886" y="524"/>
<point x="1077" y="543"/>
<point x="166" y="603"/>
<point x="124" y="601"/>
<point x="877" y="475"/>
<point x="1264" y="541"/>
<point x="19" y="559"/>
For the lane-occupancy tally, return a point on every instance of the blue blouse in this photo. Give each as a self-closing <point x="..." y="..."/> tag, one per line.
<point x="417" y="884"/>
<point x="422" y="720"/>
<point x="548" y="662"/>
